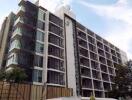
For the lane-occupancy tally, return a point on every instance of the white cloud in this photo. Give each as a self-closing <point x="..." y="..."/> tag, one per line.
<point x="51" y="5"/>
<point x="119" y="12"/>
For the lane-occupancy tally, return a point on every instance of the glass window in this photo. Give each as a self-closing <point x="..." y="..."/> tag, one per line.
<point x="15" y="44"/>
<point x="37" y="75"/>
<point x="40" y="36"/>
<point x="25" y="59"/>
<point x="53" y="28"/>
<point x="38" y="61"/>
<point x="41" y="25"/>
<point x="55" y="19"/>
<point x="41" y="15"/>
<point x="39" y="48"/>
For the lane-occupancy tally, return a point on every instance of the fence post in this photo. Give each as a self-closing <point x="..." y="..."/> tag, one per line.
<point x="2" y="91"/>
<point x="9" y="91"/>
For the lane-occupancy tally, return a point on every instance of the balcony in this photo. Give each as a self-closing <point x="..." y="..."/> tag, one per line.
<point x="86" y="83"/>
<point x="84" y="62"/>
<point x="56" y="30"/>
<point x="55" y="20"/>
<point x="109" y="63"/>
<point x="82" y="43"/>
<point x="102" y="60"/>
<point x="94" y="65"/>
<point x="85" y="72"/>
<point x="97" y="85"/>
<point x="56" y="64"/>
<point x="106" y="86"/>
<point x="21" y="11"/>
<point x="111" y="70"/>
<point x="99" y="45"/>
<point x="15" y="44"/>
<point x="56" y="40"/>
<point x="12" y="60"/>
<point x="83" y="52"/>
<point x="105" y="77"/>
<point x="96" y="74"/>
<point x="56" y="78"/>
<point x="103" y="68"/>
<point x="91" y="39"/>
<point x="31" y="22"/>
<point x="92" y="47"/>
<point x="23" y="31"/>
<point x="100" y="52"/>
<point x="82" y="35"/>
<point x="93" y="56"/>
<point x="55" y="51"/>
<point x="108" y="56"/>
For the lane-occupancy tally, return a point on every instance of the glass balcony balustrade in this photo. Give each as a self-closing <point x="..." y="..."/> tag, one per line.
<point x="17" y="31"/>
<point x="15" y="44"/>
<point x="18" y="20"/>
<point x="25" y="20"/>
<point x="12" y="59"/>
<point x="24" y="32"/>
<point x="21" y="8"/>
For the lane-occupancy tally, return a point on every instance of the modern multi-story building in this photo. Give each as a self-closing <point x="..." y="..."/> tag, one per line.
<point x="58" y="50"/>
<point x="5" y="36"/>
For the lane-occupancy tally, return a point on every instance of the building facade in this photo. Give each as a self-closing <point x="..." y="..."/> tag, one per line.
<point x="57" y="50"/>
<point x="5" y="36"/>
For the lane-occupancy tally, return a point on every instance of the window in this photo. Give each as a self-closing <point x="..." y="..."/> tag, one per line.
<point x="55" y="78"/>
<point x="91" y="40"/>
<point x="39" y="47"/>
<point x="25" y="59"/>
<point x="83" y="52"/>
<point x="37" y="75"/>
<point x="84" y="61"/>
<point x="55" y="51"/>
<point x="55" y="64"/>
<point x="53" y="28"/>
<point x="92" y="47"/>
<point x="55" y="19"/>
<point x="40" y="36"/>
<point x="82" y="35"/>
<point x="15" y="44"/>
<point x="38" y="61"/>
<point x="82" y="43"/>
<point x="56" y="40"/>
<point x="12" y="59"/>
<point x="93" y="56"/>
<point x="41" y="15"/>
<point x="94" y="65"/>
<point x="41" y="25"/>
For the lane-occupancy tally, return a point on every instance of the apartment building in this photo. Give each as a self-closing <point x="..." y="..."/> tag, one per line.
<point x="5" y="36"/>
<point x="57" y="50"/>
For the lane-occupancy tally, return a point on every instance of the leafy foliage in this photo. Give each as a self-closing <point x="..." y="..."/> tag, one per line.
<point x="123" y="82"/>
<point x="14" y="74"/>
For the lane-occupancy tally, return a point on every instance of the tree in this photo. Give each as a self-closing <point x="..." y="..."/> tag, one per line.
<point x="13" y="74"/>
<point x="2" y="74"/>
<point x="122" y="80"/>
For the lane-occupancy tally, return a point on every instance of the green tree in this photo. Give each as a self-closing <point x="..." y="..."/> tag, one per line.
<point x="2" y="74"/>
<point x="122" y="80"/>
<point x="13" y="74"/>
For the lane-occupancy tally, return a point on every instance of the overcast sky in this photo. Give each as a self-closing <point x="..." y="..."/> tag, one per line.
<point x="111" y="19"/>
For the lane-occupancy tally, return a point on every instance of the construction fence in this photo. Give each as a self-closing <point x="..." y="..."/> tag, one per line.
<point x="19" y="91"/>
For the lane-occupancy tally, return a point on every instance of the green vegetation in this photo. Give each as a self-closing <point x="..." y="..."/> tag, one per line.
<point x="123" y="82"/>
<point x="13" y="74"/>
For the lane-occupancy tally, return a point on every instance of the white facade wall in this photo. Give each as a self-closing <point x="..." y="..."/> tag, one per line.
<point x="70" y="56"/>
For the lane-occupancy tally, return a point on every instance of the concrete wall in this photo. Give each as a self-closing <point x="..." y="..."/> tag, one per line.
<point x="70" y="56"/>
